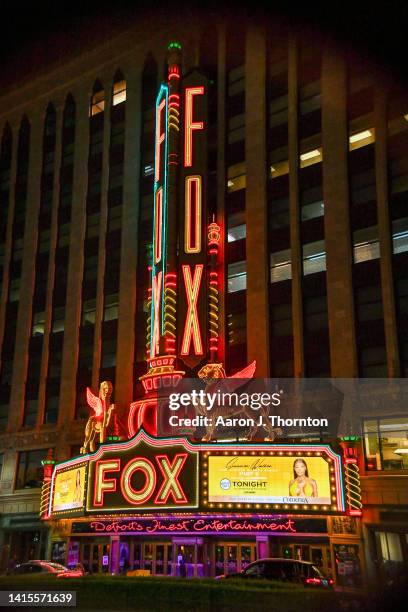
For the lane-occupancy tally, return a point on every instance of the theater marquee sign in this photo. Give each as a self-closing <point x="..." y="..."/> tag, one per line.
<point x="148" y="474"/>
<point x="202" y="525"/>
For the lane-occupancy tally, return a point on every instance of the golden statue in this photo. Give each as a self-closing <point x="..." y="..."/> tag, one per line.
<point x="211" y="373"/>
<point x="99" y="421"/>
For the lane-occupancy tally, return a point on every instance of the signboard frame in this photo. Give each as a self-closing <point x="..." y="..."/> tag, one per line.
<point x="201" y="452"/>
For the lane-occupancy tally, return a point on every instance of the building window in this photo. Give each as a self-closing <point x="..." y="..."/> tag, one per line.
<point x="237" y="276"/>
<point x="236" y="226"/>
<point x="58" y="319"/>
<point x="119" y="92"/>
<point x="38" y="324"/>
<point x="281" y="266"/>
<point x="88" y="312"/>
<point x="237" y="233"/>
<point x="373" y="362"/>
<point x="236" y="328"/>
<point x="314" y="257"/>
<point x="315" y="313"/>
<point x="310" y="157"/>
<point x="369" y="303"/>
<point x="278" y="111"/>
<point x="279" y="211"/>
<point x="389" y="545"/>
<point x="111" y="311"/>
<point x="236" y="128"/>
<point x="365" y="244"/>
<point x="400" y="235"/>
<point x="279" y="164"/>
<point x="30" y="414"/>
<point x="51" y="409"/>
<point x="312" y="210"/>
<point x="362" y="138"/>
<point x="282" y="320"/>
<point x="386" y="443"/>
<point x="97" y="102"/>
<point x="30" y="470"/>
<point x="310" y="98"/>
<point x="236" y="176"/>
<point x="236" y="80"/>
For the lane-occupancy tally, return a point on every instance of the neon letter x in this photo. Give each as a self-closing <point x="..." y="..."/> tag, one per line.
<point x="192" y="325"/>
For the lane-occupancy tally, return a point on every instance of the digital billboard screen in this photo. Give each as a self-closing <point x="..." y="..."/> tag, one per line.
<point x="257" y="479"/>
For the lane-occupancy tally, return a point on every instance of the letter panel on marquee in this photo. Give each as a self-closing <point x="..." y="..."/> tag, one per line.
<point x="142" y="476"/>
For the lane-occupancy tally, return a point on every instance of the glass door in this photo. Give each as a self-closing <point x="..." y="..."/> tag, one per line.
<point x="148" y="550"/>
<point x="233" y="557"/>
<point x="188" y="561"/>
<point x="157" y="558"/>
<point x="246" y="555"/>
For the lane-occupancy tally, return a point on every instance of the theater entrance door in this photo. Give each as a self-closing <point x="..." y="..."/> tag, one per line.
<point x="95" y="556"/>
<point x="233" y="557"/>
<point x="158" y="558"/>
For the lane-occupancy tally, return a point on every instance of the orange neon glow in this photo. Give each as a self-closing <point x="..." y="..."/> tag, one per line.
<point x="193" y="208"/>
<point x="159" y="139"/>
<point x="192" y="325"/>
<point x="158" y="226"/>
<point x="157" y="283"/>
<point x="189" y="125"/>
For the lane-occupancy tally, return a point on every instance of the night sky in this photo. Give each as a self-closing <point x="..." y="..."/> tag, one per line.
<point x="44" y="32"/>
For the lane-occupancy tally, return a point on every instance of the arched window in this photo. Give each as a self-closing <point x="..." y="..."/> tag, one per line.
<point x="119" y="89"/>
<point x="97" y="100"/>
<point x="69" y="112"/>
<point x="50" y="121"/>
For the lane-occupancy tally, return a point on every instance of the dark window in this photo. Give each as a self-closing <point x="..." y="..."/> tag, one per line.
<point x="30" y="470"/>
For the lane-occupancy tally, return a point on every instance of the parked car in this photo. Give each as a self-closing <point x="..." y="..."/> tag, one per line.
<point x="285" y="570"/>
<point x="38" y="567"/>
<point x="75" y="572"/>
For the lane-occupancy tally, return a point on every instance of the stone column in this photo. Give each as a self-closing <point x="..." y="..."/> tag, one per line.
<point x="76" y="262"/>
<point x="294" y="210"/>
<point x="24" y="319"/>
<point x="125" y="352"/>
<point x="385" y="232"/>
<point x="343" y="353"/>
<point x="114" y="554"/>
<point x="9" y="233"/>
<point x="256" y="208"/>
<point x="262" y="546"/>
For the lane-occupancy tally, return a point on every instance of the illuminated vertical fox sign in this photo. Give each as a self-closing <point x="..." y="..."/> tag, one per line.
<point x="159" y="220"/>
<point x="179" y="290"/>
<point x="192" y="310"/>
